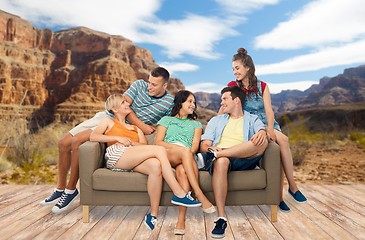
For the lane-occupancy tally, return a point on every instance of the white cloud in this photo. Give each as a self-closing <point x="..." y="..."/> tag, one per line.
<point x="332" y="56"/>
<point x="319" y="22"/>
<point x="113" y="17"/>
<point x="278" y="87"/>
<point x="179" y="67"/>
<point x="205" y="87"/>
<point x="194" y="35"/>
<point x="244" y="7"/>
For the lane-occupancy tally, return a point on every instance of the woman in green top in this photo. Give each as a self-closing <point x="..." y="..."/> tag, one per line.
<point x="180" y="135"/>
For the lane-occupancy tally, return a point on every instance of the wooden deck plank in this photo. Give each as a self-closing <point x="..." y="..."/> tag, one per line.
<point x="331" y="228"/>
<point x="194" y="224"/>
<point x="332" y="212"/>
<point x="107" y="225"/>
<point x="22" y="205"/>
<point x="23" y="223"/>
<point x="349" y="192"/>
<point x="79" y="229"/>
<point x="299" y="225"/>
<point x="240" y="225"/>
<point x="260" y="223"/>
<point x="61" y="226"/>
<point x="42" y="223"/>
<point x="168" y="224"/>
<point x="333" y="215"/>
<point x="346" y="201"/>
<point x="128" y="228"/>
<point x="6" y="189"/>
<point x="12" y="192"/>
<point x="338" y="206"/>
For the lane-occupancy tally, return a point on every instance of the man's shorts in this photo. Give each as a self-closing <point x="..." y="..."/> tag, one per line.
<point x="91" y="123"/>
<point x="240" y="164"/>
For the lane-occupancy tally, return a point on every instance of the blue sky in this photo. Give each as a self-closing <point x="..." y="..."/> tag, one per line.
<point x="293" y="43"/>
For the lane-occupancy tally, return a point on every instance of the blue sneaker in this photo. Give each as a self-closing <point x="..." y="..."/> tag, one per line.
<point x="219" y="229"/>
<point x="298" y="196"/>
<point x="206" y="159"/>
<point x="283" y="207"/>
<point x="150" y="221"/>
<point x="187" y="201"/>
<point x="55" y="196"/>
<point x="65" y="202"/>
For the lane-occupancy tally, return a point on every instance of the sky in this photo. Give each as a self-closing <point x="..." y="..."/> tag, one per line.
<point x="293" y="43"/>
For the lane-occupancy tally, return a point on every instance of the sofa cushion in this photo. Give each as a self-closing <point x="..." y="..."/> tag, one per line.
<point x="107" y="180"/>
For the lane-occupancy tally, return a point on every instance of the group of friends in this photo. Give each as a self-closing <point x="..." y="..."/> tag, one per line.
<point x="234" y="140"/>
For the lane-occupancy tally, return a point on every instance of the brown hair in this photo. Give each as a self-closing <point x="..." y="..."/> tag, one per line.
<point x="236" y="92"/>
<point x="252" y="79"/>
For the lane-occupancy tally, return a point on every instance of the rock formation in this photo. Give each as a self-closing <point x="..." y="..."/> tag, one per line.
<point x="68" y="74"/>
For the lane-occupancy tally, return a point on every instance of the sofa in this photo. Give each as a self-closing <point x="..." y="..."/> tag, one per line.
<point x="102" y="187"/>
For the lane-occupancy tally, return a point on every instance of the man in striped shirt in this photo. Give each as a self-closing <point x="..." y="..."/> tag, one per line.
<point x="149" y="101"/>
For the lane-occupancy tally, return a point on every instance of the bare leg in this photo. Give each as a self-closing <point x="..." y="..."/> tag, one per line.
<point x="152" y="168"/>
<point x="77" y="140"/>
<point x="184" y="182"/>
<point x="178" y="155"/>
<point x="64" y="160"/>
<point x="134" y="156"/>
<point x="243" y="150"/>
<point x="286" y="160"/>
<point x="220" y="184"/>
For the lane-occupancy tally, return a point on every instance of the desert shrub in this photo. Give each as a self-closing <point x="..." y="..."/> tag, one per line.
<point x="358" y="137"/>
<point x="32" y="154"/>
<point x="300" y="140"/>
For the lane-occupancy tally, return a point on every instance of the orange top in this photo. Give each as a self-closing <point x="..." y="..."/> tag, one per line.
<point x="119" y="129"/>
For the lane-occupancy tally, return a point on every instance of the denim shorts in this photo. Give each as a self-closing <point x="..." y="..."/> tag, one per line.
<point x="240" y="164"/>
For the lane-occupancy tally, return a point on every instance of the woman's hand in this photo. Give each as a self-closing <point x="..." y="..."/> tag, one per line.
<point x="271" y="133"/>
<point x="259" y="138"/>
<point x="123" y="141"/>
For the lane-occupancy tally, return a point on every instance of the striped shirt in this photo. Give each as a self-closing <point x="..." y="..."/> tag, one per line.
<point x="147" y="108"/>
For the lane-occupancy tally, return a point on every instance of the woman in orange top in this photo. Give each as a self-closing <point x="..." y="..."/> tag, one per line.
<point x="127" y="150"/>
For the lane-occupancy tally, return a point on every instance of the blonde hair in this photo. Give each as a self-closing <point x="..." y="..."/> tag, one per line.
<point x="113" y="101"/>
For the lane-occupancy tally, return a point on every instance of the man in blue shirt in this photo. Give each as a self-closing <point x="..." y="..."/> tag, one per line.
<point x="233" y="141"/>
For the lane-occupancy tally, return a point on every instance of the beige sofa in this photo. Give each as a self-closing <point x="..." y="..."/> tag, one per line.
<point x="100" y="186"/>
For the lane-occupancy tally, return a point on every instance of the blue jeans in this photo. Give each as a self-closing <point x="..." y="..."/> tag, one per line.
<point x="240" y="164"/>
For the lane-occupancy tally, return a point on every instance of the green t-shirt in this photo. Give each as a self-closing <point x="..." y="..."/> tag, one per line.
<point x="179" y="130"/>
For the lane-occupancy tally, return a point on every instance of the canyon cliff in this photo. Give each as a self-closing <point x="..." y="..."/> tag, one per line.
<point x="68" y="74"/>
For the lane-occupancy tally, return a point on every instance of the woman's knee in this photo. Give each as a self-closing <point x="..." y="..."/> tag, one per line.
<point x="154" y="166"/>
<point x="180" y="171"/>
<point x="283" y="140"/>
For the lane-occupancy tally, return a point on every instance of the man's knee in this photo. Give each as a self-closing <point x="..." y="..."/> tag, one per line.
<point x="65" y="143"/>
<point x="221" y="164"/>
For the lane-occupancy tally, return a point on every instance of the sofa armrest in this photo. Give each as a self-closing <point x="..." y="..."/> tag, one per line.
<point x="91" y="155"/>
<point x="271" y="163"/>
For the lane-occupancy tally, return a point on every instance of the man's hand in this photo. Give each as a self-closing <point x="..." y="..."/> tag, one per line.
<point x="215" y="149"/>
<point x="259" y="138"/>
<point x="147" y="129"/>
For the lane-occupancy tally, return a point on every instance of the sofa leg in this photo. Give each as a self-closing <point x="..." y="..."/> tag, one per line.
<point x="85" y="213"/>
<point x="274" y="213"/>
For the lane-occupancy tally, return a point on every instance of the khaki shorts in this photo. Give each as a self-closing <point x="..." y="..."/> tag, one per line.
<point x="88" y="124"/>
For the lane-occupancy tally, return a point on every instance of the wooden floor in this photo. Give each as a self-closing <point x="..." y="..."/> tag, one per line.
<point x="332" y="212"/>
